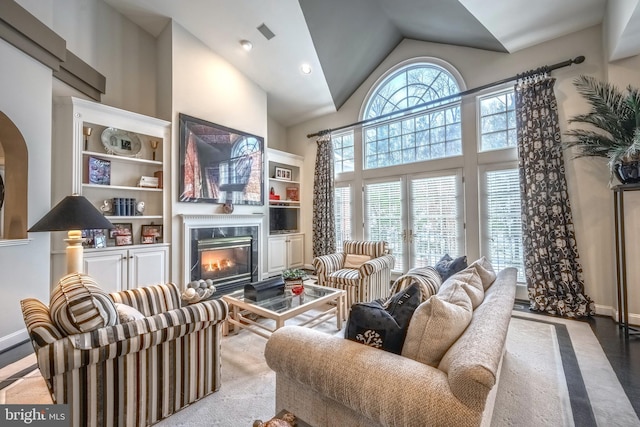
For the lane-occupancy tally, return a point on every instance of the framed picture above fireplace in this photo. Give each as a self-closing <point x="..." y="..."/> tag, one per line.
<point x="219" y="164"/>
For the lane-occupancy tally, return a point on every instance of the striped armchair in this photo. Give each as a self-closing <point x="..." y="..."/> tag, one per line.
<point x="364" y="280"/>
<point x="134" y="373"/>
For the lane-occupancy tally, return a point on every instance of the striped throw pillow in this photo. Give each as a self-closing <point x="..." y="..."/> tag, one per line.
<point x="78" y="305"/>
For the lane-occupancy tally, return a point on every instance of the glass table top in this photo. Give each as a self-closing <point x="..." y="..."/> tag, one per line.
<point x="287" y="301"/>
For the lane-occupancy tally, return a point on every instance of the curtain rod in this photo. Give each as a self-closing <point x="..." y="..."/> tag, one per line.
<point x="539" y="70"/>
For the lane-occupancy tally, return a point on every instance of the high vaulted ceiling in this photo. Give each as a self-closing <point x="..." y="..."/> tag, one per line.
<point x="344" y="40"/>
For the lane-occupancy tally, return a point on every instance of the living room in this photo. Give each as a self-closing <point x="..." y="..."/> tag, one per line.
<point x="176" y="72"/>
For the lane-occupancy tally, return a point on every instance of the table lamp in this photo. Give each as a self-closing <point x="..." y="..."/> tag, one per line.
<point x="73" y="214"/>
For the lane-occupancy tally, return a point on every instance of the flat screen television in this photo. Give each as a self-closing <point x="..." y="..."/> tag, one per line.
<point x="282" y="220"/>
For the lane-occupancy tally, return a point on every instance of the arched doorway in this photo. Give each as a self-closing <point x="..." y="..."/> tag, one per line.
<point x="14" y="161"/>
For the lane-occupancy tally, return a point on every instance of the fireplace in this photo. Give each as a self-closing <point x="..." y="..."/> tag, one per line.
<point x="224" y="249"/>
<point x="224" y="259"/>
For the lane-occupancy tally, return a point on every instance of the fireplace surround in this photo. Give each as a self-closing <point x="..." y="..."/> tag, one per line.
<point x="224" y="248"/>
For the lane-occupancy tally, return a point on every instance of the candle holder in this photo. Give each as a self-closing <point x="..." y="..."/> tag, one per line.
<point x="86" y="131"/>
<point x="154" y="146"/>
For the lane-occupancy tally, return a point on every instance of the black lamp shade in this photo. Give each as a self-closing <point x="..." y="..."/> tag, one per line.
<point x="72" y="213"/>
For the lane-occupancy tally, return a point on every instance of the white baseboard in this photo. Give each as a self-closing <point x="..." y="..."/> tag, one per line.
<point x="15" y="338"/>
<point x="606" y="310"/>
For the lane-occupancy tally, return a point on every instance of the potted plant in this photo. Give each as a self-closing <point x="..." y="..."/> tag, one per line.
<point x="615" y="131"/>
<point x="293" y="279"/>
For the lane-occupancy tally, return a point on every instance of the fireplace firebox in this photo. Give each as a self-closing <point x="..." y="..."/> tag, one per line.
<point x="226" y="255"/>
<point x="225" y="259"/>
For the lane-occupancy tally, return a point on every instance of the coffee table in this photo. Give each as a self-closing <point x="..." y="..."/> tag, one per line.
<point x="284" y="307"/>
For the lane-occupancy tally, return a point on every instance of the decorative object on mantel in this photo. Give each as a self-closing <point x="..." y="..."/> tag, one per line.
<point x="198" y="290"/>
<point x="227" y="207"/>
<point x="616" y="116"/>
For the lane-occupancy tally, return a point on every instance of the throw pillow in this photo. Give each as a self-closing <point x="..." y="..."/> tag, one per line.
<point x="485" y="270"/>
<point x="355" y="261"/>
<point x="436" y="325"/>
<point x="126" y="313"/>
<point x="383" y="325"/>
<point x="427" y="278"/>
<point x="78" y="305"/>
<point x="448" y="266"/>
<point x="470" y="281"/>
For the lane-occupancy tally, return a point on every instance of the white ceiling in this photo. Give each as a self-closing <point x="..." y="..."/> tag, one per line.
<point x="315" y="32"/>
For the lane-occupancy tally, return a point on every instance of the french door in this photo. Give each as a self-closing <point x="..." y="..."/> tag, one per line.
<point x="421" y="216"/>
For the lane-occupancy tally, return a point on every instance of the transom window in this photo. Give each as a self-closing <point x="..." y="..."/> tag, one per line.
<point x="432" y="132"/>
<point x="497" y="121"/>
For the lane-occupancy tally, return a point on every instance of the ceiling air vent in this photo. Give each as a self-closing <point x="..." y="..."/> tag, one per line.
<point x="266" y="32"/>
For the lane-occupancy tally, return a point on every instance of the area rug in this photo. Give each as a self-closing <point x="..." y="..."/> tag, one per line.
<point x="554" y="373"/>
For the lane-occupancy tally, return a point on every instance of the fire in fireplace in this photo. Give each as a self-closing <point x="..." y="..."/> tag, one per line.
<point x="225" y="259"/>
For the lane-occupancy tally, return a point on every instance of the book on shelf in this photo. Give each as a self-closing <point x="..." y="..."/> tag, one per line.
<point x="99" y="171"/>
<point x="293" y="194"/>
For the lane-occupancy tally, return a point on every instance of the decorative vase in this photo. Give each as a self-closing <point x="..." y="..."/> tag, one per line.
<point x="627" y="172"/>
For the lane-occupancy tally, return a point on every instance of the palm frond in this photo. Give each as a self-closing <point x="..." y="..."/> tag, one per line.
<point x="614" y="120"/>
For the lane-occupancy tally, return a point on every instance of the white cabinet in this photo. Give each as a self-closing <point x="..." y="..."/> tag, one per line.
<point x="285" y="251"/>
<point x="285" y="186"/>
<point x="113" y="158"/>
<point x="120" y="269"/>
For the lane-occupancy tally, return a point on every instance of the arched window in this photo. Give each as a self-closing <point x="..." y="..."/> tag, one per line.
<point x="424" y="133"/>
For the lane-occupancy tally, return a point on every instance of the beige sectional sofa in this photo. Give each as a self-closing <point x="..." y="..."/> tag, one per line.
<point x="327" y="380"/>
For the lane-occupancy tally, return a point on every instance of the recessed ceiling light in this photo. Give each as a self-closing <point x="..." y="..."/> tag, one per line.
<point x="305" y="69"/>
<point x="246" y="45"/>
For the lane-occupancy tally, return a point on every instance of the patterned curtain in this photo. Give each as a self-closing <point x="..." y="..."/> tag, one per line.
<point x="324" y="236"/>
<point x="552" y="267"/>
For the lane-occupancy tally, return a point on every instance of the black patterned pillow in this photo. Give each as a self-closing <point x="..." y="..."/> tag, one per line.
<point x="383" y="325"/>
<point x="448" y="266"/>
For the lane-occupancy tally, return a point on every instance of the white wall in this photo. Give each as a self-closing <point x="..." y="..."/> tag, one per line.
<point x="589" y="192"/>
<point x="277" y="136"/>
<point x="25" y="97"/>
<point x="207" y="87"/>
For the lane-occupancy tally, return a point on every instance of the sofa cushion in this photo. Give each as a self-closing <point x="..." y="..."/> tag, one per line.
<point x="485" y="270"/>
<point x="469" y="279"/>
<point x="436" y="324"/>
<point x="448" y="266"/>
<point x="355" y="261"/>
<point x="383" y="325"/>
<point x="78" y="305"/>
<point x="126" y="313"/>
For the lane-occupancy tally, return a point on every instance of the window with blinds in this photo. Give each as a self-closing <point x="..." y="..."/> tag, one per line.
<point x="436" y="219"/>
<point x="342" y="206"/>
<point x="383" y="216"/>
<point x="503" y="224"/>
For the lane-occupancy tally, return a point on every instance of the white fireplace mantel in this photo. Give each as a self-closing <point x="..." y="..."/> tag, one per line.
<point x="190" y="222"/>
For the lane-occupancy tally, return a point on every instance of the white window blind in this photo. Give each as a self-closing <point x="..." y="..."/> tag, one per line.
<point x="436" y="219"/>
<point x="343" y="210"/>
<point x="383" y="216"/>
<point x="503" y="240"/>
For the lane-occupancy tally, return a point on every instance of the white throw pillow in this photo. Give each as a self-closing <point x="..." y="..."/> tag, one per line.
<point x="436" y="324"/>
<point x="355" y="261"/>
<point x="485" y="270"/>
<point x="470" y="280"/>
<point x="126" y="313"/>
